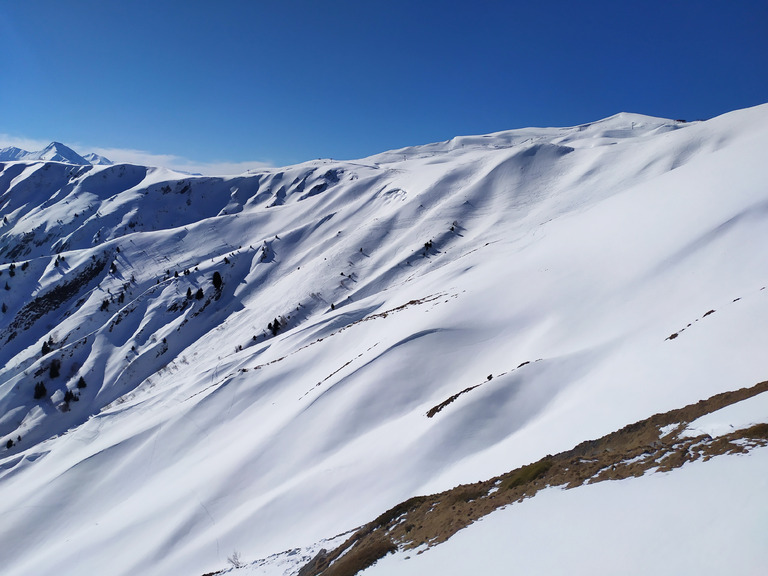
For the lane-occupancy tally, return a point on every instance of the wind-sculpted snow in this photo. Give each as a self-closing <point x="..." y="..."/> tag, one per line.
<point x="179" y="418"/>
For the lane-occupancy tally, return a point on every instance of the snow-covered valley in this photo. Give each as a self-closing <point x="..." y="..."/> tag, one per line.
<point x="191" y="366"/>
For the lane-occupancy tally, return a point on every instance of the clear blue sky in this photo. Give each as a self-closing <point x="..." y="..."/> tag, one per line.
<point x="288" y="81"/>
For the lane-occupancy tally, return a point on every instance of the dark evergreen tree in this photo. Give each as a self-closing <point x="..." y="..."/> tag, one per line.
<point x="46" y="348"/>
<point x="217" y="282"/>
<point x="54" y="369"/>
<point x="199" y="295"/>
<point x="189" y="293"/>
<point x="81" y="383"/>
<point x="40" y="390"/>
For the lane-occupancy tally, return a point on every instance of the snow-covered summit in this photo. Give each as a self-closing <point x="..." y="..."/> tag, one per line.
<point x="192" y="365"/>
<point x="58" y="152"/>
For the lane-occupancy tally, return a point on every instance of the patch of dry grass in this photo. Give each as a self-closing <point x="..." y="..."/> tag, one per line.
<point x="631" y="451"/>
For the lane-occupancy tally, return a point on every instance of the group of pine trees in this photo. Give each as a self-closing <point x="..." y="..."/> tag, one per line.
<point x="197" y="295"/>
<point x="274" y="326"/>
<point x="54" y="370"/>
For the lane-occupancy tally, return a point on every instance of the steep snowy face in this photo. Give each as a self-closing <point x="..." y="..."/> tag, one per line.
<point x="190" y="365"/>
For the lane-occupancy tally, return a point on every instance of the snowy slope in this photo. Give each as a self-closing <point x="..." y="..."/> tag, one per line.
<point x="398" y="281"/>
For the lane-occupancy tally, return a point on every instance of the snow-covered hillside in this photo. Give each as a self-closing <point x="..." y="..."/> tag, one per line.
<point x="248" y="363"/>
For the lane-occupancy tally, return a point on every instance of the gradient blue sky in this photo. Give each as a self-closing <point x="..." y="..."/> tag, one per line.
<point x="287" y="81"/>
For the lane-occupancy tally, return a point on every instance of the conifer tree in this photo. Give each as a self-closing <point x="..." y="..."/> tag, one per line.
<point x="40" y="390"/>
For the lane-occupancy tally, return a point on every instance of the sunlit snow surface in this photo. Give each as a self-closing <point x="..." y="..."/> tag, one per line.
<point x="578" y="250"/>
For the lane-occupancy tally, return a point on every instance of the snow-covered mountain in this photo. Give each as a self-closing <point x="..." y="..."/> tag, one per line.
<point x="12" y="153"/>
<point x="54" y="152"/>
<point x="97" y="159"/>
<point x="192" y="366"/>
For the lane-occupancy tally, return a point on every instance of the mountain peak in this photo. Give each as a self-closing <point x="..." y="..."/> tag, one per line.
<point x="58" y="152"/>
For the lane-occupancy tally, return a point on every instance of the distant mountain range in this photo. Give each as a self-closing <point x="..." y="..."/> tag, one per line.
<point x="54" y="152"/>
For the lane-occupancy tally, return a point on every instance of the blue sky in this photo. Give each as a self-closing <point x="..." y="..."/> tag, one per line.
<point x="234" y="83"/>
